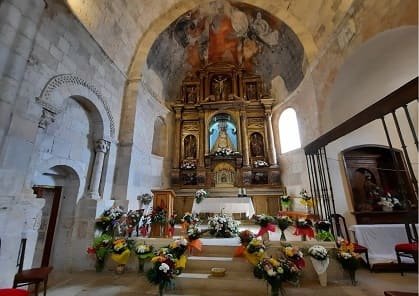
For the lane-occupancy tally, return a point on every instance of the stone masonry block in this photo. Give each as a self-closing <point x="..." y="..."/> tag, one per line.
<point x="61" y="147"/>
<point x="27" y="27"/>
<point x="22" y="45"/>
<point x="9" y="89"/>
<point x="23" y="128"/>
<point x="8" y="34"/>
<point x="63" y="45"/>
<point x="55" y="52"/>
<point x="10" y="14"/>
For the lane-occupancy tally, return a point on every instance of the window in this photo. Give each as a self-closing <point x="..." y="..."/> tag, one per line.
<point x="289" y="134"/>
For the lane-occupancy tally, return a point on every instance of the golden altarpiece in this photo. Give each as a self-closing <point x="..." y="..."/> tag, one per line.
<point x="224" y="138"/>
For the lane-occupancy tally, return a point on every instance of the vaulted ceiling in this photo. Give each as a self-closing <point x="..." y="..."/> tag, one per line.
<point x="128" y="28"/>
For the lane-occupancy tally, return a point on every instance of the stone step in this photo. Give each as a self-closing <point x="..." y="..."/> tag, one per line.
<point x="204" y="264"/>
<point x="206" y="284"/>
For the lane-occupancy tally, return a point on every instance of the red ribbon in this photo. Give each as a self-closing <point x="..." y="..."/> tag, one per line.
<point x="171" y="231"/>
<point x="143" y="231"/>
<point x="308" y="231"/>
<point x="270" y="227"/>
<point x="239" y="252"/>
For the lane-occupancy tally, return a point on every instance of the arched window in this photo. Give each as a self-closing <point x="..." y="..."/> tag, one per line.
<point x="289" y="133"/>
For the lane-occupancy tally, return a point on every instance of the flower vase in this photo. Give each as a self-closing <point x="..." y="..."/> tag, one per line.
<point x="276" y="288"/>
<point x="265" y="236"/>
<point x="308" y="209"/>
<point x="352" y="276"/>
<point x="320" y="266"/>
<point x="161" y="230"/>
<point x="283" y="237"/>
<point x="120" y="268"/>
<point x="141" y="263"/>
<point x="162" y="286"/>
<point x="100" y="265"/>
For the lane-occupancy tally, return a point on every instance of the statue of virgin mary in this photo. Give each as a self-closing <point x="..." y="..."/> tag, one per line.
<point x="223" y="141"/>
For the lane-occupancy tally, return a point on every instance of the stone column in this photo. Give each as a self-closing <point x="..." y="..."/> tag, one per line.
<point x="267" y="103"/>
<point x="271" y="146"/>
<point x="245" y="142"/>
<point x="102" y="147"/>
<point x="176" y="151"/>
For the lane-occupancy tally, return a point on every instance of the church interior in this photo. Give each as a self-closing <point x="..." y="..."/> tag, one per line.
<point x="103" y="102"/>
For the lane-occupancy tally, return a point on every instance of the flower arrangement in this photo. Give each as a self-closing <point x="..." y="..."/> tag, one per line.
<point x="172" y="222"/>
<point x="178" y="247"/>
<point x="283" y="222"/>
<point x="306" y="199"/>
<point x="108" y="219"/>
<point x="348" y="258"/>
<point x="163" y="271"/>
<point x="146" y="198"/>
<point x="260" y="164"/>
<point x="188" y="165"/>
<point x="263" y="220"/>
<point x="223" y="226"/>
<point x="133" y="218"/>
<point x="322" y="228"/>
<point x="275" y="271"/>
<point x="102" y="245"/>
<point x="144" y="225"/>
<point x="254" y="251"/>
<point x="190" y="218"/>
<point x="294" y="254"/>
<point x="318" y="252"/>
<point x="192" y="235"/>
<point x="225" y="152"/>
<point x="322" y="225"/>
<point x="389" y="202"/>
<point x="143" y="252"/>
<point x="246" y="236"/>
<point x="304" y="227"/>
<point x="200" y="195"/>
<point x="120" y="253"/>
<point x="319" y="257"/>
<point x="285" y="201"/>
<point x="159" y="215"/>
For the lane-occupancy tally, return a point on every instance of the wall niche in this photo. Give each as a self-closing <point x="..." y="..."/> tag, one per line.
<point x="382" y="189"/>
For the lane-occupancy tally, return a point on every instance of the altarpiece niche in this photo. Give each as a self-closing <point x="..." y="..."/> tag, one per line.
<point x="220" y="118"/>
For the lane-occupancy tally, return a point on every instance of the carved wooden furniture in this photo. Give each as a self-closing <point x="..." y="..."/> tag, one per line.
<point x="34" y="276"/>
<point x="372" y="172"/>
<point x="223" y="135"/>
<point x="163" y="198"/>
<point x="408" y="249"/>
<point x="340" y="229"/>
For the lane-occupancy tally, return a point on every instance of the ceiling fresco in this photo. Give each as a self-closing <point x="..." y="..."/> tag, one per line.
<point x="224" y="31"/>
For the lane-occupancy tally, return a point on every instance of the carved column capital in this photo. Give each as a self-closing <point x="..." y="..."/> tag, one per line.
<point x="47" y="117"/>
<point x="102" y="146"/>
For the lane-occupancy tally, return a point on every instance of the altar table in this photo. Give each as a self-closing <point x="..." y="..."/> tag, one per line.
<point x="380" y="240"/>
<point x="228" y="205"/>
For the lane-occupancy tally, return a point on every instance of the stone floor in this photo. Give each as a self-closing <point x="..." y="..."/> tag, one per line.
<point x="129" y="284"/>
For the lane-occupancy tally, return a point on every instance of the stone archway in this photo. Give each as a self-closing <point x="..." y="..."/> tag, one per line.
<point x="59" y="212"/>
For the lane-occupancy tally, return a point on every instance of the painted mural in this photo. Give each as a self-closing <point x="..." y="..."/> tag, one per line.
<point x="224" y="31"/>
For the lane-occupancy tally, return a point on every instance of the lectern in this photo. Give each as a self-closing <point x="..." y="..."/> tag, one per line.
<point x="162" y="198"/>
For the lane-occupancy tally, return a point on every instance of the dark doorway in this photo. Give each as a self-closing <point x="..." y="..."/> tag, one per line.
<point x="52" y="195"/>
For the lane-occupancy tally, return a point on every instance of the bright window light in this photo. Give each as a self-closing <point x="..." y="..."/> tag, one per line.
<point x="289" y="134"/>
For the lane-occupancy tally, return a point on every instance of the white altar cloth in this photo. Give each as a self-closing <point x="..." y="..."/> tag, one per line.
<point x="228" y="205"/>
<point x="380" y="240"/>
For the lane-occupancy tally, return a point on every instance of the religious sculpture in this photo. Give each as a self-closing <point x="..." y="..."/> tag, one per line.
<point x="256" y="144"/>
<point x="223" y="141"/>
<point x="190" y="146"/>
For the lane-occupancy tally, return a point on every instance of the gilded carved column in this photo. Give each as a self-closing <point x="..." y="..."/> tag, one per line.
<point x="176" y="151"/>
<point x="245" y="142"/>
<point x="201" y="139"/>
<point x="101" y="148"/>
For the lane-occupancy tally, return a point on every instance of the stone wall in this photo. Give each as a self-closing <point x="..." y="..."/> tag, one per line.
<point x="59" y="94"/>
